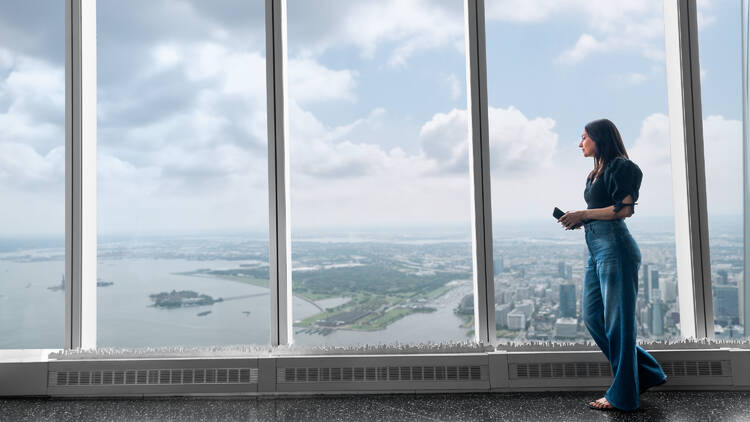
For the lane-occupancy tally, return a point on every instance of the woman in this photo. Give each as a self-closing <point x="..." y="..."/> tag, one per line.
<point x="611" y="280"/>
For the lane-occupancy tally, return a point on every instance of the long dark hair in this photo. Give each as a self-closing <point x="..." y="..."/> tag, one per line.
<point x="608" y="143"/>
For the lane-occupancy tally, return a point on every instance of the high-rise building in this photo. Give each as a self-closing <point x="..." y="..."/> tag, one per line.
<point x="723" y="277"/>
<point x="566" y="327"/>
<point x="516" y="320"/>
<point x="669" y="292"/>
<point x="499" y="265"/>
<point x="657" y="314"/>
<point x="568" y="272"/>
<point x="741" y="300"/>
<point x="654" y="279"/>
<point x="726" y="300"/>
<point x="501" y="315"/>
<point x="568" y="301"/>
<point x="646" y="286"/>
<point x="526" y="306"/>
<point x="561" y="269"/>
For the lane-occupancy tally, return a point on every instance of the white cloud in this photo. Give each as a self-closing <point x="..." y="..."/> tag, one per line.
<point x="311" y="82"/>
<point x="635" y="26"/>
<point x="518" y="144"/>
<point x="636" y="78"/>
<point x="651" y="151"/>
<point x="410" y="25"/>
<point x="585" y="45"/>
<point x="722" y="146"/>
<point x="723" y="159"/>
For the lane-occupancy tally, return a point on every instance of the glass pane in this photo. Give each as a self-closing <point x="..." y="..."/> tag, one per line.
<point x="183" y="211"/>
<point x="719" y="42"/>
<point x="32" y="174"/>
<point x="380" y="204"/>
<point x="551" y="71"/>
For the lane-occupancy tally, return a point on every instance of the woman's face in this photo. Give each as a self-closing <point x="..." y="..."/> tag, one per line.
<point x="587" y="145"/>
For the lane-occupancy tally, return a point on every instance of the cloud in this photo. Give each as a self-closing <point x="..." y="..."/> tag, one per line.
<point x="722" y="140"/>
<point x="404" y="26"/>
<point x="585" y="45"/>
<point x="310" y="82"/>
<point x="635" y="26"/>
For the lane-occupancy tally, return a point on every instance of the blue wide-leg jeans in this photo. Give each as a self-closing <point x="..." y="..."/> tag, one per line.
<point x="609" y="297"/>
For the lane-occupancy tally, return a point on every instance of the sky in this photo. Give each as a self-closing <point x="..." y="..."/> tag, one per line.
<point x="377" y="111"/>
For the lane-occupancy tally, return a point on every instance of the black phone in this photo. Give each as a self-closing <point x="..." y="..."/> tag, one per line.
<point x="557" y="213"/>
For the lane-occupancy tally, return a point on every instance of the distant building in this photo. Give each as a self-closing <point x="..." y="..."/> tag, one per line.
<point x="646" y="285"/>
<point x="654" y="279"/>
<point x="561" y="272"/>
<point x="568" y="301"/>
<point x="726" y="300"/>
<point x="516" y="320"/>
<point x="655" y="295"/>
<point x="566" y="327"/>
<point x="723" y="277"/>
<point x="499" y="264"/>
<point x="501" y="315"/>
<point x="526" y="306"/>
<point x="669" y="293"/>
<point x="657" y="314"/>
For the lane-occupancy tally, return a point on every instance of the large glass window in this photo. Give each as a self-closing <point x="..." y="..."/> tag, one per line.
<point x="551" y="70"/>
<point x="32" y="174"/>
<point x="719" y="37"/>
<point x="182" y="161"/>
<point x="380" y="204"/>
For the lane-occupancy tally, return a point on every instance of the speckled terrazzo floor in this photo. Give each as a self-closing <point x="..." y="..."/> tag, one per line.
<point x="516" y="407"/>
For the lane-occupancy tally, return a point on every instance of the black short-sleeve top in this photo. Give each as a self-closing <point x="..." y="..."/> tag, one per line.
<point x="620" y="178"/>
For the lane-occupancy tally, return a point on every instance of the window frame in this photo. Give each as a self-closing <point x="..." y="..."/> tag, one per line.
<point x="686" y="139"/>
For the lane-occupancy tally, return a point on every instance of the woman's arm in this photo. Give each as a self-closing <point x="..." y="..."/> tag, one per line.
<point x="573" y="219"/>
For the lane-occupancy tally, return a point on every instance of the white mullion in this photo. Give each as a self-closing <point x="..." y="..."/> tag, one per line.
<point x="688" y="169"/>
<point x="80" y="174"/>
<point x="479" y="163"/>
<point x="280" y="282"/>
<point x="745" y="300"/>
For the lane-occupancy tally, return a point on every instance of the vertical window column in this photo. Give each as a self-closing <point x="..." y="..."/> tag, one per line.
<point x="688" y="169"/>
<point x="80" y="174"/>
<point x="479" y="159"/>
<point x="278" y="174"/>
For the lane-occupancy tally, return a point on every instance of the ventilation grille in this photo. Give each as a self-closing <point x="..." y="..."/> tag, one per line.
<point x="172" y="376"/>
<point x="561" y="370"/>
<point x="381" y="373"/>
<point x="679" y="368"/>
<point x="694" y="368"/>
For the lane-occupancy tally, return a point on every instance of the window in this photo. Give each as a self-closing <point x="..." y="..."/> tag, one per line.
<point x="32" y="175"/>
<point x="182" y="162"/>
<point x="719" y="37"/>
<point x="380" y="204"/>
<point x="550" y="71"/>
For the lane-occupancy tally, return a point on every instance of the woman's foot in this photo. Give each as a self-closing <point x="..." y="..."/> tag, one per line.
<point x="601" y="404"/>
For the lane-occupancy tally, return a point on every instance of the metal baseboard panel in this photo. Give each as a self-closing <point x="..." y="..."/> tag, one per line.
<point x="713" y="369"/>
<point x="152" y="377"/>
<point x="387" y="373"/>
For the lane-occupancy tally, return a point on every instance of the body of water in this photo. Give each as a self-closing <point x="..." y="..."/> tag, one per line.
<point x="32" y="316"/>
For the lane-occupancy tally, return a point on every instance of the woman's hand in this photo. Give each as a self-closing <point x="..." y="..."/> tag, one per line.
<point x="572" y="220"/>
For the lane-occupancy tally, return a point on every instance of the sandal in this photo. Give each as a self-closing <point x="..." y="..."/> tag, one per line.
<point x="600" y="408"/>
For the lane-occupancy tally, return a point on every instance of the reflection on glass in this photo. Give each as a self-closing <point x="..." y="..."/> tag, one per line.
<point x="380" y="204"/>
<point x="719" y="38"/>
<point x="551" y="71"/>
<point x="182" y="176"/>
<point x="32" y="175"/>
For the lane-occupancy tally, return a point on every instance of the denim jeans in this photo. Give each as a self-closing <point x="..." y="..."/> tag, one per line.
<point x="610" y="289"/>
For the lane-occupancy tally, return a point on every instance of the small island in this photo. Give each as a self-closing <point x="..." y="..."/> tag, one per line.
<point x="183" y="298"/>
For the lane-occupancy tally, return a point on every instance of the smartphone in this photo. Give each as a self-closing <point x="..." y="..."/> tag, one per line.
<point x="557" y="213"/>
